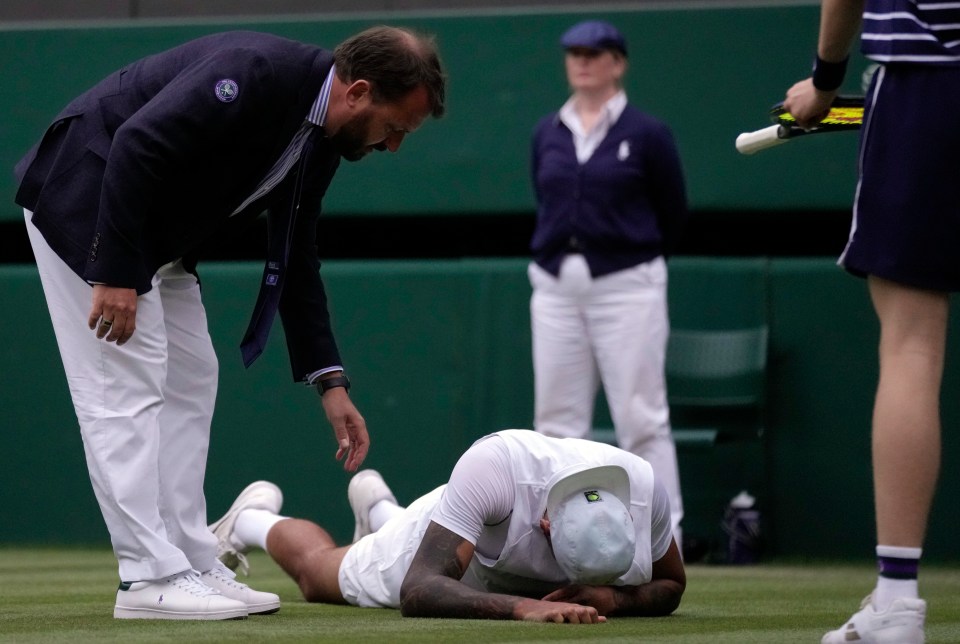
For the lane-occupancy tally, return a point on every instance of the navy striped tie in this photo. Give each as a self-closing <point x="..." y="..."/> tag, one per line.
<point x="279" y="234"/>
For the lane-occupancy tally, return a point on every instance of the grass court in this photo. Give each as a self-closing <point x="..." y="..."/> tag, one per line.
<point x="50" y="595"/>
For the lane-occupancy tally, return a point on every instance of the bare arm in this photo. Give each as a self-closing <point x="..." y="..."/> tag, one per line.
<point x="660" y="596"/>
<point x="432" y="588"/>
<point x="839" y="25"/>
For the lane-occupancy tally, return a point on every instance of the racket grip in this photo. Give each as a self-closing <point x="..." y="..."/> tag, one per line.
<point x="750" y="142"/>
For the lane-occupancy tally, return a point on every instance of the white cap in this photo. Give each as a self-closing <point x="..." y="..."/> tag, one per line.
<point x="590" y="525"/>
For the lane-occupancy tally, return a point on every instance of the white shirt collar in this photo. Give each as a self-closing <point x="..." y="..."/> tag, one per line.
<point x="318" y="111"/>
<point x="586" y="143"/>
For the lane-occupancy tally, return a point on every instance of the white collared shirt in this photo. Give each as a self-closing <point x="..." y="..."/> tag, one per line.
<point x="586" y="142"/>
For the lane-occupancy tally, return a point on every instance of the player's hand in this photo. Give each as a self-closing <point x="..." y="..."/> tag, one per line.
<point x="349" y="427"/>
<point x="808" y="104"/>
<point x="533" y="610"/>
<point x="603" y="598"/>
<point x="113" y="315"/>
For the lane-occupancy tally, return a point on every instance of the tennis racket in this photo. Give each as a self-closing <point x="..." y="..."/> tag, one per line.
<point x="846" y="113"/>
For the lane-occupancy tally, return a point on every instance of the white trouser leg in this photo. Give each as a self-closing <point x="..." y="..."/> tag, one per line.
<point x="119" y="396"/>
<point x="628" y="324"/>
<point x="564" y="371"/>
<point x="189" y="397"/>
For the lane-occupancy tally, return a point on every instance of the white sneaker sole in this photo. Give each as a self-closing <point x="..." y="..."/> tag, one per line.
<point x="265" y="608"/>
<point x="152" y="613"/>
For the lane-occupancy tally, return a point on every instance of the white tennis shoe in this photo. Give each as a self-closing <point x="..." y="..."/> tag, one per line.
<point x="262" y="495"/>
<point x="901" y="623"/>
<point x="258" y="602"/>
<point x="183" y="596"/>
<point x="366" y="489"/>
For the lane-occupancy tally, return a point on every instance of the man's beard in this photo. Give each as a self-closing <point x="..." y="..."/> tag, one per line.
<point x="351" y="139"/>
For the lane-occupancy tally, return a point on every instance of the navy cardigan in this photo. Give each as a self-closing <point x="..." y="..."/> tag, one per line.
<point x="626" y="205"/>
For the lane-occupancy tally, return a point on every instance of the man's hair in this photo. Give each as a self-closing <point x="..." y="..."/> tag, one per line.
<point x="395" y="61"/>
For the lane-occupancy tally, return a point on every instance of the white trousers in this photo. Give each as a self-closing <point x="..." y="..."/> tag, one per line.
<point x="613" y="330"/>
<point x="144" y="410"/>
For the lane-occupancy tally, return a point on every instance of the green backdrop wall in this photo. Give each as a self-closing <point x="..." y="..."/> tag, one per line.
<point x="439" y="353"/>
<point x="710" y="73"/>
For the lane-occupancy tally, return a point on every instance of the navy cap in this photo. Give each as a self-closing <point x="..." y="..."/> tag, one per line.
<point x="594" y="34"/>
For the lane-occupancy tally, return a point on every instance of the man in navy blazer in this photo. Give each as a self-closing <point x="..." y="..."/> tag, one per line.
<point x="127" y="184"/>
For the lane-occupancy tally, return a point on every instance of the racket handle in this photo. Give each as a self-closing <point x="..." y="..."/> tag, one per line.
<point x="750" y="142"/>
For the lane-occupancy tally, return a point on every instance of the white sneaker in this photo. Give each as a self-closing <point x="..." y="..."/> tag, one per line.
<point x="366" y="489"/>
<point x="901" y="623"/>
<point x="182" y="596"/>
<point x="262" y="495"/>
<point x="221" y="578"/>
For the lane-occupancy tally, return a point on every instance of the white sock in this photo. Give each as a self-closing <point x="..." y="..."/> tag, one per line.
<point x="888" y="588"/>
<point x="381" y="512"/>
<point x="901" y="552"/>
<point x="252" y="527"/>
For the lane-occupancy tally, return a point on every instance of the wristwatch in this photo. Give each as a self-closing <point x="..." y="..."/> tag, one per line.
<point x="326" y="384"/>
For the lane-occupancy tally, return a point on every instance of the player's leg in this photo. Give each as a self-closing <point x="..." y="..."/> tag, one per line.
<point x="629" y="325"/>
<point x="367" y="573"/>
<point x="906" y="419"/>
<point x="308" y="553"/>
<point x="304" y="550"/>
<point x="564" y="370"/>
<point x="906" y="458"/>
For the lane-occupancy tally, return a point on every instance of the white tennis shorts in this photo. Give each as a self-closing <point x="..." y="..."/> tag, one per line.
<point x="373" y="569"/>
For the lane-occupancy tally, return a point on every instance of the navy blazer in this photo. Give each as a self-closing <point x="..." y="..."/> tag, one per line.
<point x="149" y="165"/>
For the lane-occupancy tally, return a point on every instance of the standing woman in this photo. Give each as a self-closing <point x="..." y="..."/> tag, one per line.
<point x="611" y="200"/>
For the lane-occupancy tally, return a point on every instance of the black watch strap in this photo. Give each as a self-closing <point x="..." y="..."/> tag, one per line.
<point x="326" y="384"/>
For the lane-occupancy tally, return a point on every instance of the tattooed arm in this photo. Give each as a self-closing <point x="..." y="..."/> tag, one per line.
<point x="432" y="588"/>
<point x="660" y="596"/>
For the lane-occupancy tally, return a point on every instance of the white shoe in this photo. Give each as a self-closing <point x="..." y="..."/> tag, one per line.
<point x="901" y="623"/>
<point x="366" y="489"/>
<point x="221" y="578"/>
<point x="182" y="596"/>
<point x="262" y="495"/>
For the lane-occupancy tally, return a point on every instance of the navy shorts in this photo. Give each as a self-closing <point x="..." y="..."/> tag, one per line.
<point x="906" y="214"/>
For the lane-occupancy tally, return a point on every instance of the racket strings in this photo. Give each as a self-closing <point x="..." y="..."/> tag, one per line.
<point x="837" y="116"/>
<point x="846" y="111"/>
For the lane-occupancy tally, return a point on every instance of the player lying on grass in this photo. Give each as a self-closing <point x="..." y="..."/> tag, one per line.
<point x="527" y="527"/>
